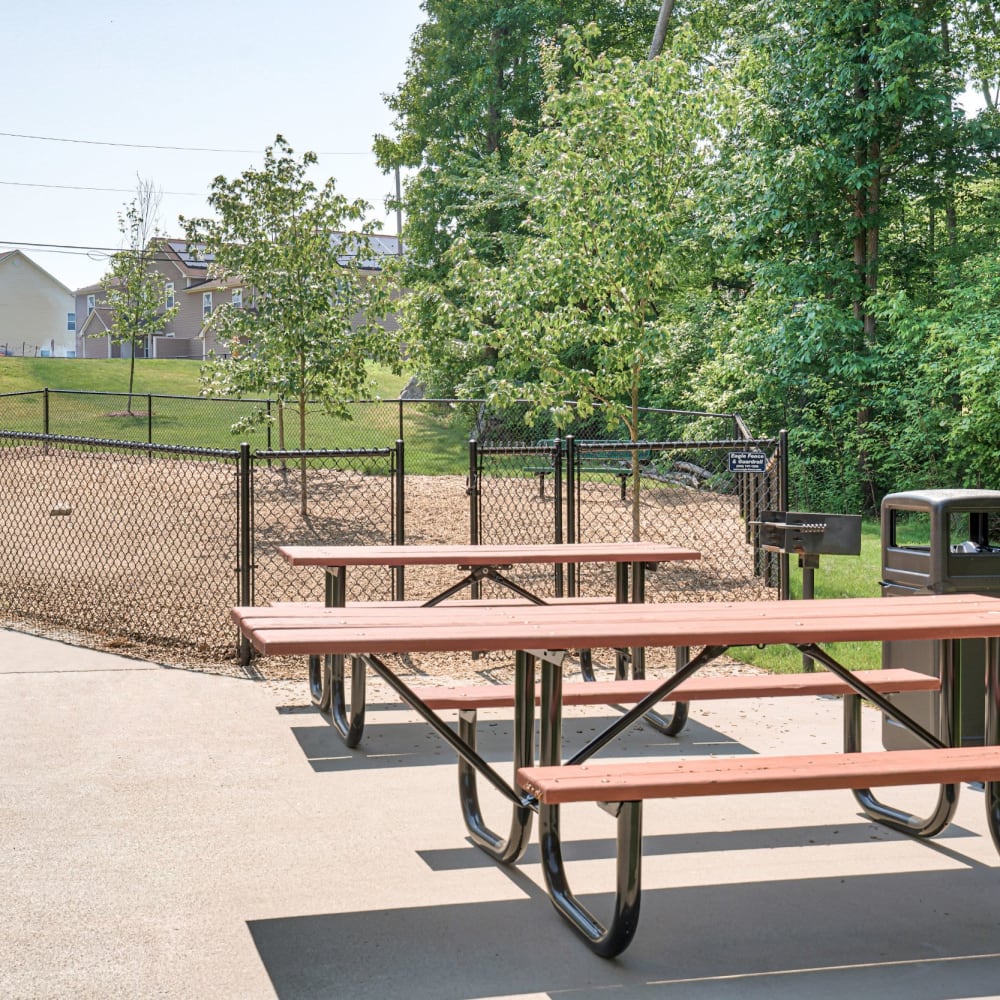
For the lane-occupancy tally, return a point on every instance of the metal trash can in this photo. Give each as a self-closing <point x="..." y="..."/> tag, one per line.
<point x="940" y="542"/>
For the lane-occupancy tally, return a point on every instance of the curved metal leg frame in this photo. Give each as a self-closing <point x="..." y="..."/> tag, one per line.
<point x="949" y="726"/>
<point x="897" y="819"/>
<point x="349" y="722"/>
<point x="507" y="849"/>
<point x="669" y="725"/>
<point x="319" y="683"/>
<point x="613" y="939"/>
<point x="992" y="731"/>
<point x="587" y="665"/>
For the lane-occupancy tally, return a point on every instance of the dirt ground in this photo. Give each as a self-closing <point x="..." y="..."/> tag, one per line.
<point x="136" y="556"/>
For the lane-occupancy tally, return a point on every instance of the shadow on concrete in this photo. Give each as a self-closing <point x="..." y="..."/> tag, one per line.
<point x="854" y="831"/>
<point x="415" y="743"/>
<point x="915" y="935"/>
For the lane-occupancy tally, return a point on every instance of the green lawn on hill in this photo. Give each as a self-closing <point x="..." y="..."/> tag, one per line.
<point x="157" y="376"/>
<point x="436" y="444"/>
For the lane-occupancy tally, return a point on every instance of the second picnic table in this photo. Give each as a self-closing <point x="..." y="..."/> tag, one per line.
<point x="478" y="562"/>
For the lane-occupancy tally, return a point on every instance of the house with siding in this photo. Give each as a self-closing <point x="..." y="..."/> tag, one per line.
<point x="37" y="318"/>
<point x="188" y="286"/>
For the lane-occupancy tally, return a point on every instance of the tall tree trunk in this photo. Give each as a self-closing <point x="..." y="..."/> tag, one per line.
<point x="303" y="494"/>
<point x="660" y="32"/>
<point x="303" y="402"/>
<point x="131" y="375"/>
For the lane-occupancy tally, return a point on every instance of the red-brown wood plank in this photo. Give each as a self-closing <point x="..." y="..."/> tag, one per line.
<point x="577" y="609"/>
<point x="335" y="630"/>
<point x="674" y="778"/>
<point x="482" y="555"/>
<point x="694" y="689"/>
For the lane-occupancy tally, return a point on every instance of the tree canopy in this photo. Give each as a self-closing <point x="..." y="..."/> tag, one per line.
<point x="814" y="252"/>
<point x="134" y="291"/>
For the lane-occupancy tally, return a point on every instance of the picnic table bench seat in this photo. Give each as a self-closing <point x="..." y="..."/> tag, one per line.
<point x="475" y="696"/>
<point x="469" y="699"/>
<point x="599" y="781"/>
<point x="621" y="788"/>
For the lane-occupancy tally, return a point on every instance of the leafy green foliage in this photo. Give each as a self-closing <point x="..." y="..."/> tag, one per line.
<point x="133" y="290"/>
<point x="474" y="77"/>
<point x="610" y="255"/>
<point x="309" y="320"/>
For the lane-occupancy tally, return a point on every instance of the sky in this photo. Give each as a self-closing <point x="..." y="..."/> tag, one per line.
<point x="116" y="76"/>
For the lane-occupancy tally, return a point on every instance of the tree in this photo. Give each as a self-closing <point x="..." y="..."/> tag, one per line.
<point x="844" y="140"/>
<point x="611" y="254"/>
<point x="474" y="75"/>
<point x="133" y="290"/>
<point x="309" y="321"/>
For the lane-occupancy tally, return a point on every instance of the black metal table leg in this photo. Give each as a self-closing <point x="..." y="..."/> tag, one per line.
<point x="897" y="819"/>
<point x="613" y="939"/>
<point x="507" y="849"/>
<point x="992" y="734"/>
<point x="667" y="725"/>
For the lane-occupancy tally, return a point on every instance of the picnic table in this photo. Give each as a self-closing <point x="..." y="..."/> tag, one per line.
<point x="473" y="563"/>
<point x="543" y="634"/>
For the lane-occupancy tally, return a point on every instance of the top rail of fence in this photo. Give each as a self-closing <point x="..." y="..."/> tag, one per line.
<point x="376" y="401"/>
<point x="109" y="444"/>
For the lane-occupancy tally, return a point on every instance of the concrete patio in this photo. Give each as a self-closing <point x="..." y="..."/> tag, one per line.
<point x="174" y="834"/>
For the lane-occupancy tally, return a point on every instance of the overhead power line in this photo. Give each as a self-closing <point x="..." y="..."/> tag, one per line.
<point x="82" y="187"/>
<point x="179" y="149"/>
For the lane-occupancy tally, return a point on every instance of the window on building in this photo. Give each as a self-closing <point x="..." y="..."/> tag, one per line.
<point x="169" y="295"/>
<point x="91" y="302"/>
<point x="206" y="305"/>
<point x="71" y="322"/>
<point x="237" y="298"/>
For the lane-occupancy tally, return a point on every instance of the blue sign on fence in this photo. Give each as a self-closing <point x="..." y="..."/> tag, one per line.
<point x="747" y="461"/>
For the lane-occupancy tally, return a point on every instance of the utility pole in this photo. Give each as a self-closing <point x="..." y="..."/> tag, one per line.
<point x="399" y="215"/>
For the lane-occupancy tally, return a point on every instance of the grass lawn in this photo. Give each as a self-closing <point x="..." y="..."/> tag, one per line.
<point x="160" y="377"/>
<point x="436" y="444"/>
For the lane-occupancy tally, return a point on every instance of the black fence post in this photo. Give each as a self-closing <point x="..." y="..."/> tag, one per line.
<point x="557" y="490"/>
<point x="399" y="519"/>
<point x="472" y="489"/>
<point x="571" y="507"/>
<point x="784" y="586"/>
<point x="45" y="410"/>
<point x="245" y="559"/>
<point x="149" y="418"/>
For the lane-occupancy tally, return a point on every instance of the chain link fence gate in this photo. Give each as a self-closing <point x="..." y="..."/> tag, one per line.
<point x="690" y="495"/>
<point x="583" y="491"/>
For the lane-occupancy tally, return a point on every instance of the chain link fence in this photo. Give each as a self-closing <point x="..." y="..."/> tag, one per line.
<point x="687" y="495"/>
<point x="145" y="545"/>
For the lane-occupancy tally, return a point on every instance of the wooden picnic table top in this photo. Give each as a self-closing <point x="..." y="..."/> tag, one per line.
<point x="483" y="555"/>
<point x="304" y="629"/>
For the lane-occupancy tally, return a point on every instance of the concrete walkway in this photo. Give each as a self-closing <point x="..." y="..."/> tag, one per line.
<point x="165" y="833"/>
